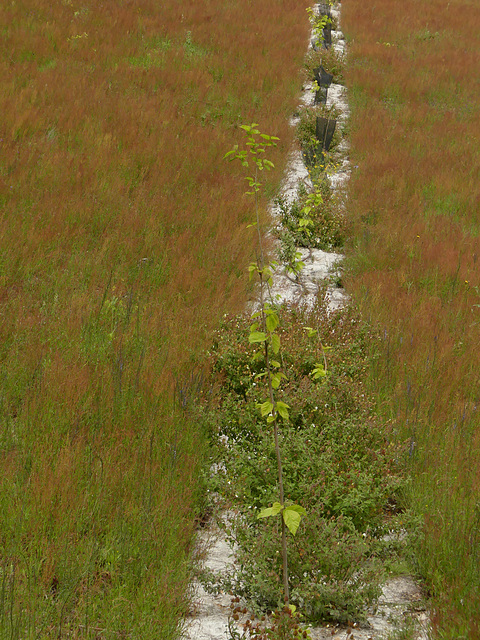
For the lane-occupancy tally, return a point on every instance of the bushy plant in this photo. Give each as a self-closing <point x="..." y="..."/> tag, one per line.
<point x="327" y="222"/>
<point x="337" y="462"/>
<point x="282" y="624"/>
<point x="307" y="134"/>
<point x="330" y="59"/>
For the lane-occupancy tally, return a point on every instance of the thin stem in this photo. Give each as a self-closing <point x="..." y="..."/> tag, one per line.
<point x="257" y="217"/>
<point x="277" y="451"/>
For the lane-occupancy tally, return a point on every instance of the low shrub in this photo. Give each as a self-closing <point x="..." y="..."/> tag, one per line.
<point x="330" y="59"/>
<point x="327" y="228"/>
<point x="338" y="463"/>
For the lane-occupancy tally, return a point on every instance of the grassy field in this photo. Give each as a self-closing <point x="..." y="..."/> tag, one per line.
<point x="414" y="198"/>
<point x="122" y="243"/>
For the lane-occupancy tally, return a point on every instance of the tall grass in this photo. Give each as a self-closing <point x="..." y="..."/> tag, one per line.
<point x="123" y="241"/>
<point x="415" y="199"/>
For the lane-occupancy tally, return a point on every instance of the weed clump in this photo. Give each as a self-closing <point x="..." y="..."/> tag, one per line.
<point x="338" y="462"/>
<point x="328" y="224"/>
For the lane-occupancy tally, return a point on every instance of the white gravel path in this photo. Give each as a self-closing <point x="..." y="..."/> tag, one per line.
<point x="401" y="597"/>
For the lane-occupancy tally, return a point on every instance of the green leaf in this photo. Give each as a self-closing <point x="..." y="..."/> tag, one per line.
<point x="276" y="379"/>
<point x="272" y="322"/>
<point x="274" y="510"/>
<point x="282" y="410"/>
<point x="231" y="152"/>
<point x="318" y="372"/>
<point x="298" y="508"/>
<point x="266" y="408"/>
<point x="275" y="343"/>
<point x="257" y="336"/>
<point x="292" y="517"/>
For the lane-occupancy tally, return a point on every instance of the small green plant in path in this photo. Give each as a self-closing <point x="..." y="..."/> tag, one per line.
<point x="263" y="333"/>
<point x="284" y="624"/>
<point x="319" y="23"/>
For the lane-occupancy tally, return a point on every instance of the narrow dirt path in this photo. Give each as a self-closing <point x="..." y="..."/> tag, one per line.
<point x="400" y="608"/>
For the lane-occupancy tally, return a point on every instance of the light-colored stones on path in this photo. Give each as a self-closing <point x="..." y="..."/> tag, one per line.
<point x="210" y="612"/>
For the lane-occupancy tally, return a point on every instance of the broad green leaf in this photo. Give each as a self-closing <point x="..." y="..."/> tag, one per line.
<point x="319" y="371"/>
<point x="257" y="336"/>
<point x="292" y="519"/>
<point x="272" y="322"/>
<point x="275" y="343"/>
<point x="266" y="408"/>
<point x="282" y="410"/>
<point x="276" y="379"/>
<point x="298" y="508"/>
<point x="275" y="364"/>
<point x="270" y="511"/>
<point x="231" y="152"/>
<point x="266" y="271"/>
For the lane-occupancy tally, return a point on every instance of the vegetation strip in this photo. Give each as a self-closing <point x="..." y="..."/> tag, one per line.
<point x="338" y="462"/>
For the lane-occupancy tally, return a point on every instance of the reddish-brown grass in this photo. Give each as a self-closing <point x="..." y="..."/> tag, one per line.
<point x="414" y="201"/>
<point x="122" y="236"/>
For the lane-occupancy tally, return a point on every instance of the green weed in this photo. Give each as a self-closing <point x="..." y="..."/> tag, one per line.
<point x="337" y="461"/>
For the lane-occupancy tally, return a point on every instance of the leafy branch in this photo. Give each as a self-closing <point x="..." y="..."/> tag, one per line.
<point x="263" y="332"/>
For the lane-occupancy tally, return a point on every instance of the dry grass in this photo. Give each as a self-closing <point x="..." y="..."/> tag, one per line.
<point x="415" y="204"/>
<point x="122" y="243"/>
